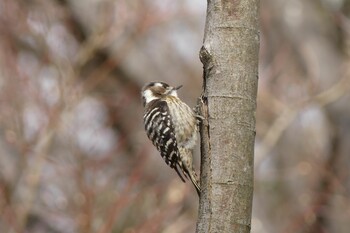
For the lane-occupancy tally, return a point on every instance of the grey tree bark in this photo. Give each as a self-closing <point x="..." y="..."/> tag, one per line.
<point x="230" y="58"/>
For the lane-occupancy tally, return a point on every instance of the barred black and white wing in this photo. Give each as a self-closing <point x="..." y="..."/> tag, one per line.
<point x="160" y="130"/>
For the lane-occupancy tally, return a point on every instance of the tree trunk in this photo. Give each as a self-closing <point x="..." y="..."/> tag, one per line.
<point x="230" y="58"/>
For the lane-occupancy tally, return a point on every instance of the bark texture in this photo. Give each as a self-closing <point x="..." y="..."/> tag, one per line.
<point x="230" y="58"/>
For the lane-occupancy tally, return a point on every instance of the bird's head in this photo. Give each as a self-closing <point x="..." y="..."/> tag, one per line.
<point x="157" y="90"/>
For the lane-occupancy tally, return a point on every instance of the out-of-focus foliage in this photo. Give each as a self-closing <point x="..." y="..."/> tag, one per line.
<point x="73" y="153"/>
<point x="303" y="119"/>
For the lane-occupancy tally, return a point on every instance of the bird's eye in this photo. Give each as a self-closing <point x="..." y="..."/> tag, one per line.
<point x="165" y="85"/>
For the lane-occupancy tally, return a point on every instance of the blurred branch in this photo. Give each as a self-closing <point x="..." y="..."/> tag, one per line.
<point x="281" y="123"/>
<point x="24" y="200"/>
<point x="96" y="65"/>
<point x="314" y="218"/>
<point x="93" y="54"/>
<point x="121" y="201"/>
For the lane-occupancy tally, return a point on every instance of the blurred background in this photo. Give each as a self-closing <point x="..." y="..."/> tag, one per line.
<point x="74" y="156"/>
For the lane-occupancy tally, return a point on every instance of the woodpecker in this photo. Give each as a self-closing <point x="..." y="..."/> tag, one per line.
<point x="172" y="127"/>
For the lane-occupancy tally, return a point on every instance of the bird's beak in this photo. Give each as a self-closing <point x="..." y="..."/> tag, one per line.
<point x="177" y="88"/>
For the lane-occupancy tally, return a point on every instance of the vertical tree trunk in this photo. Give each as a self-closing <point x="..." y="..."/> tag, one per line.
<point x="230" y="58"/>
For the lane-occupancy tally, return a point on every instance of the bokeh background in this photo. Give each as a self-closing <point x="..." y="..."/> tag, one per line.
<point x="73" y="153"/>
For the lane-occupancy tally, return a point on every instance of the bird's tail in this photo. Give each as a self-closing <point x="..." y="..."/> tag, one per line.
<point x="188" y="169"/>
<point x="195" y="181"/>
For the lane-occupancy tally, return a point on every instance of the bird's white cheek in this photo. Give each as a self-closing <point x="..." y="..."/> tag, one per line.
<point x="148" y="94"/>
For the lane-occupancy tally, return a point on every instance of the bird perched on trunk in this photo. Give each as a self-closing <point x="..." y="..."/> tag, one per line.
<point x="171" y="125"/>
